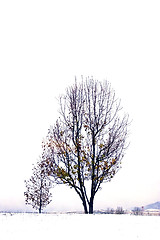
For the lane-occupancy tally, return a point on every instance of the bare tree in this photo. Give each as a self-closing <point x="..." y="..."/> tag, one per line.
<point x="119" y="210"/>
<point x="137" y="211"/>
<point x="88" y="141"/>
<point x="38" y="186"/>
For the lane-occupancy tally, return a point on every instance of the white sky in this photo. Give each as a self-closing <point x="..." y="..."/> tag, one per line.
<point x="43" y="45"/>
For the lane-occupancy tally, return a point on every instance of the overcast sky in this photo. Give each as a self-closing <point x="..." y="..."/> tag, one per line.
<point x="43" y="46"/>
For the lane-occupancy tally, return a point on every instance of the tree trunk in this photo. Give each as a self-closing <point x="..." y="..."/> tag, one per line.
<point x="85" y="206"/>
<point x="40" y="209"/>
<point x="91" y="205"/>
<point x="40" y="204"/>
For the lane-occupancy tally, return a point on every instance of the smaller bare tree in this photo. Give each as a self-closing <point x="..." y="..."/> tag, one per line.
<point x="137" y="211"/>
<point x="37" y="193"/>
<point x="119" y="210"/>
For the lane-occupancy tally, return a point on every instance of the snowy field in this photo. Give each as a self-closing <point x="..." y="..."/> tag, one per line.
<point x="78" y="226"/>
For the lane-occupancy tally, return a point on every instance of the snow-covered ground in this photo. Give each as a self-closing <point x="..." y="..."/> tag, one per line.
<point x="78" y="226"/>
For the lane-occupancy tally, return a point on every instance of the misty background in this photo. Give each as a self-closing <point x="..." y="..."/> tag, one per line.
<point x="43" y="46"/>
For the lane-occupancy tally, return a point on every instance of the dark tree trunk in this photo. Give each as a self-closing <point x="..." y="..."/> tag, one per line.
<point x="85" y="206"/>
<point x="91" y="205"/>
<point x="40" y="209"/>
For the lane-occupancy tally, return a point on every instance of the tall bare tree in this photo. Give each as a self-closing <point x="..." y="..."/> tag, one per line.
<point x="37" y="188"/>
<point x="88" y="141"/>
